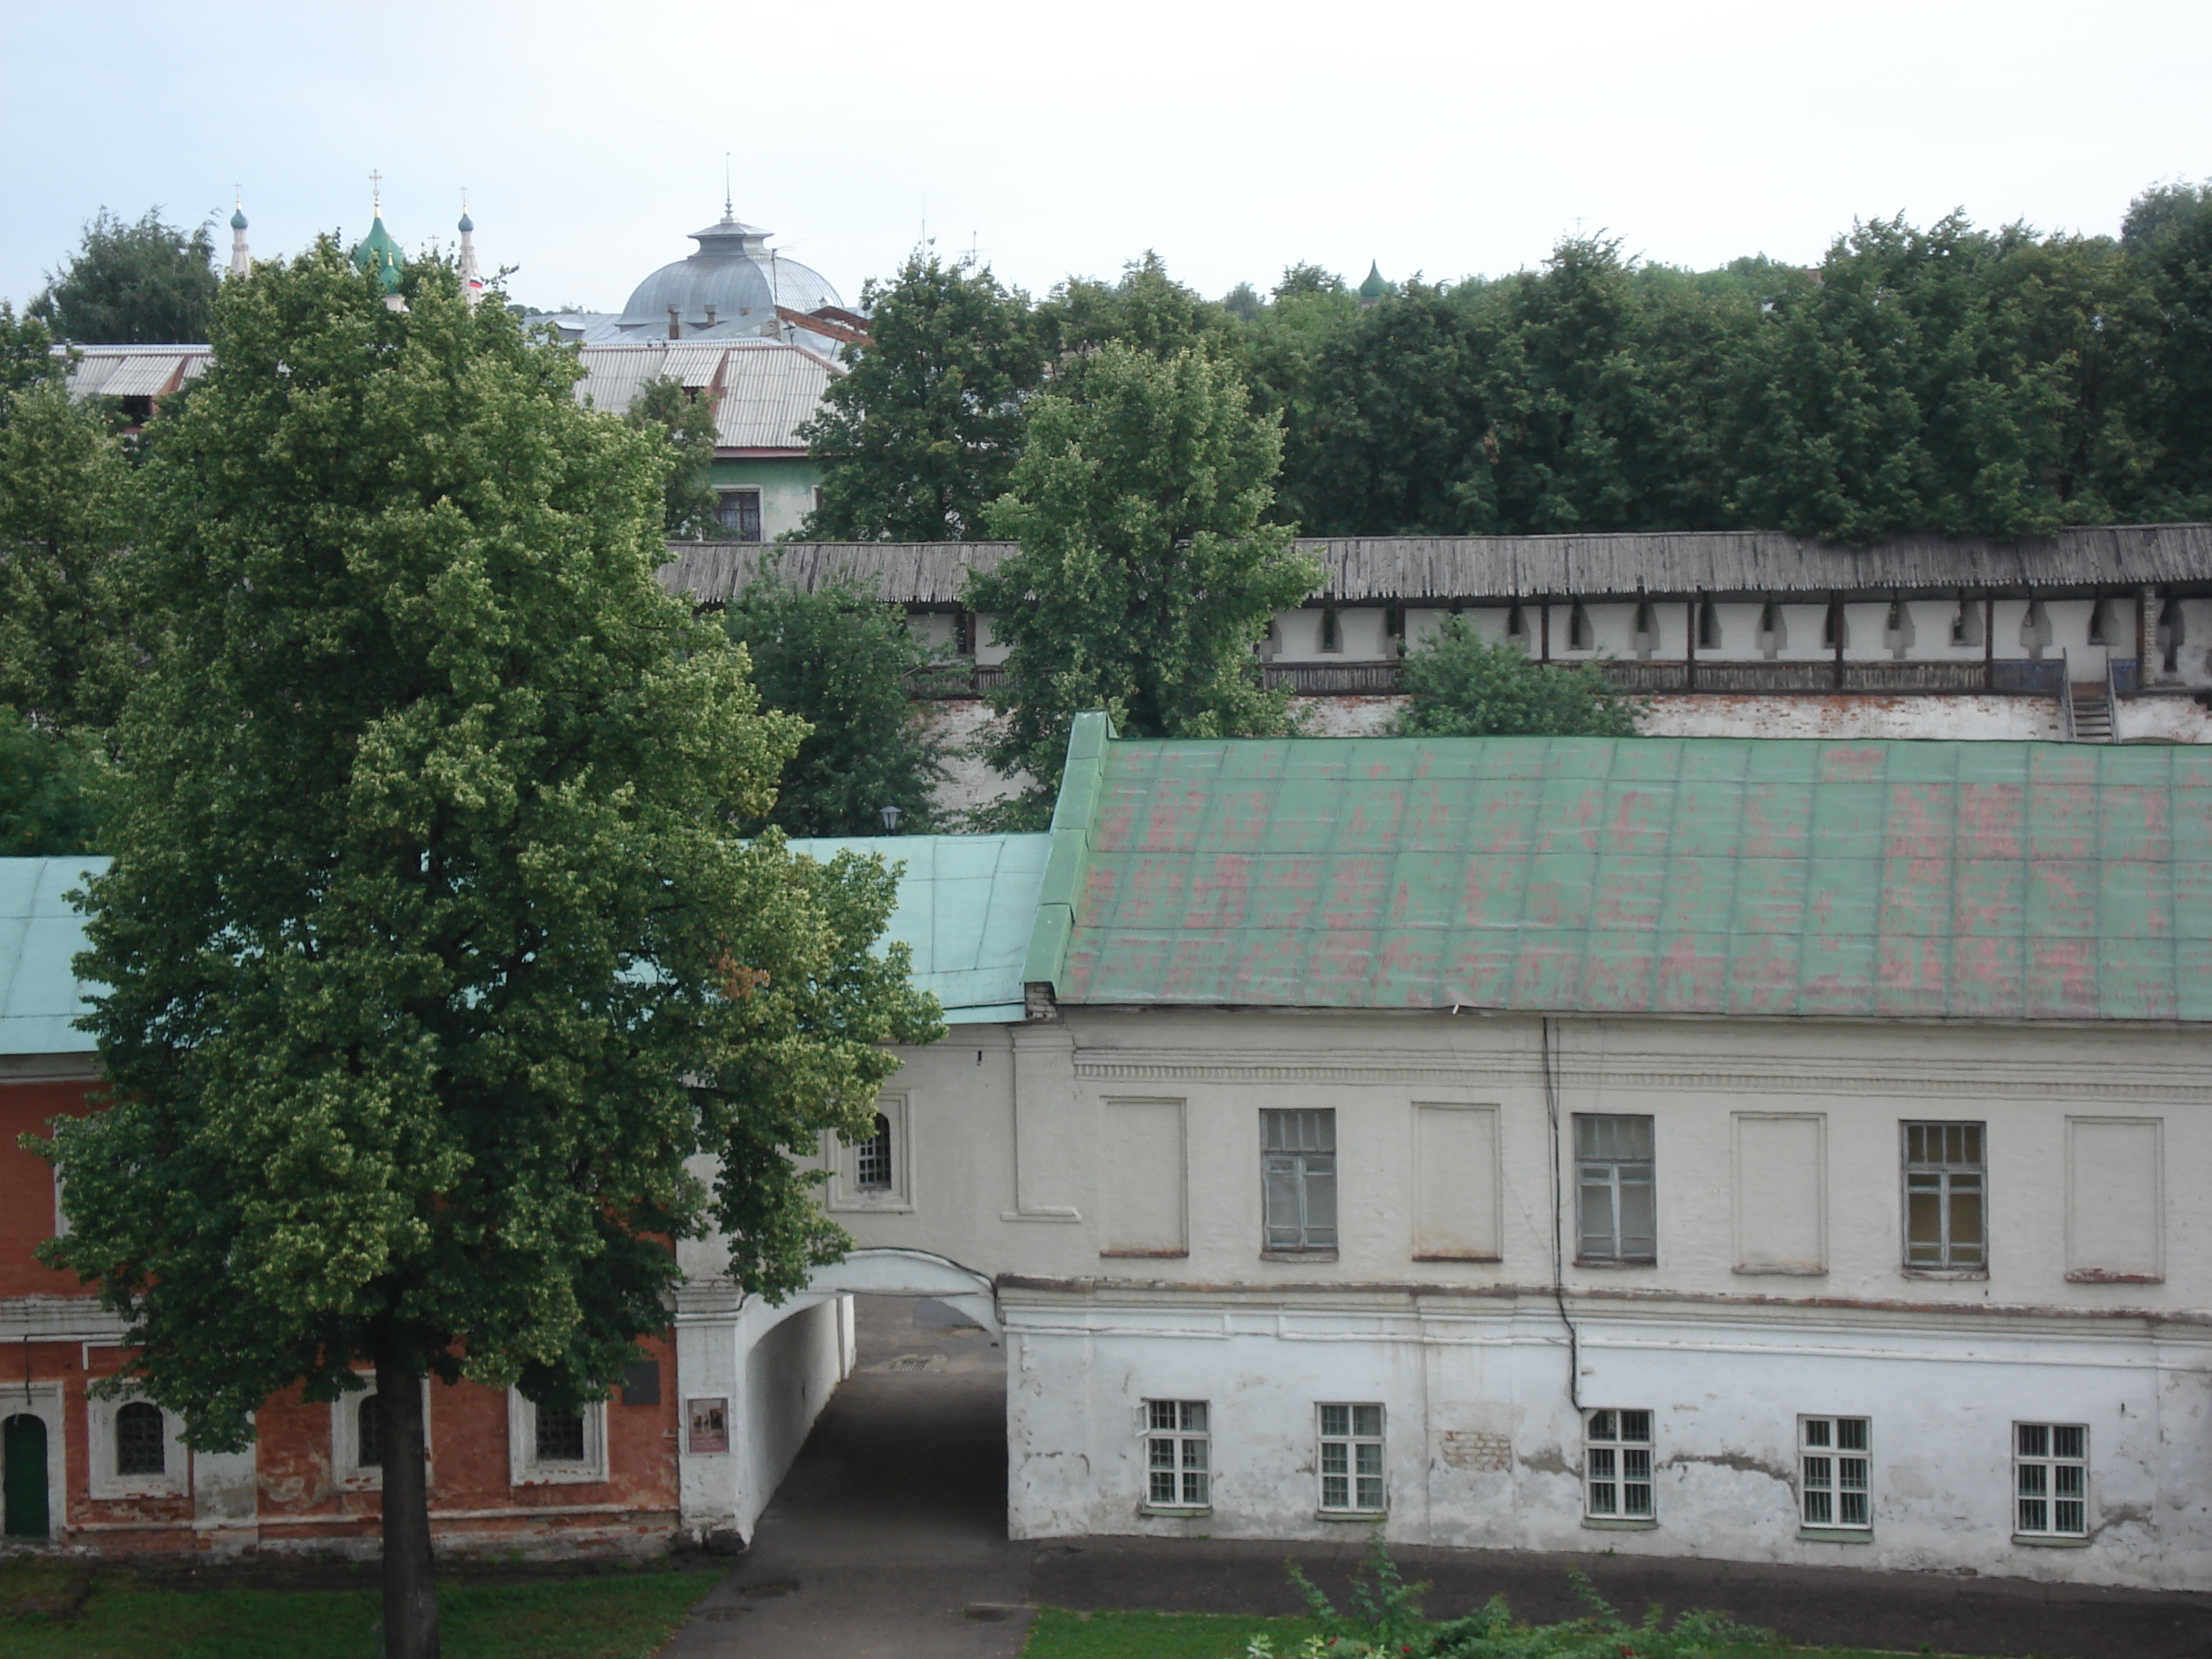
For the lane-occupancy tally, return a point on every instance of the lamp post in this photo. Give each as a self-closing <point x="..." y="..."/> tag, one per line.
<point x="891" y="815"/>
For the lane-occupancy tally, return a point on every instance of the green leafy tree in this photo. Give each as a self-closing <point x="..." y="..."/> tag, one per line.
<point x="1145" y="309"/>
<point x="429" y="956"/>
<point x="26" y="355"/>
<point x="685" y="427"/>
<point x="918" y="436"/>
<point x="131" y="284"/>
<point x="1458" y="686"/>
<point x="847" y="664"/>
<point x="1146" y="575"/>
<point x="66" y="501"/>
<point x="53" y="790"/>
<point x="2169" y="235"/>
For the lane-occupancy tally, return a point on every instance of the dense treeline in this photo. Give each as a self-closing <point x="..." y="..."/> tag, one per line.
<point x="1947" y="379"/>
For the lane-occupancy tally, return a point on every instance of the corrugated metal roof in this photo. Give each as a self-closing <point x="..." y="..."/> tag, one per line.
<point x="1387" y="570"/>
<point x="1967" y="880"/>
<point x="769" y="390"/>
<point x="965" y="906"/>
<point x="39" y="997"/>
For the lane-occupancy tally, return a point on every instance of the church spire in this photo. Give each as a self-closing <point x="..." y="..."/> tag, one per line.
<point x="471" y="278"/>
<point x="241" y="261"/>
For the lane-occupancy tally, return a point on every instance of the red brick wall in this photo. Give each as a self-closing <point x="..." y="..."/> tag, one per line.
<point x="27" y="1185"/>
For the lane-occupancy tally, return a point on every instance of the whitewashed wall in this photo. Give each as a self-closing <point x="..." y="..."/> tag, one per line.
<point x="1106" y="1167"/>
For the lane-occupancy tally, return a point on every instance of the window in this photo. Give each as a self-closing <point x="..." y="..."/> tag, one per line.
<point x="1578" y="627"/>
<point x="368" y="1435"/>
<point x="873" y="1173"/>
<point x="548" y="1447"/>
<point x="1351" y="1459"/>
<point x="1177" y="1455"/>
<point x="2051" y="1479"/>
<point x="560" y="1436"/>
<point x="1617" y="1221"/>
<point x="1944" y="1193"/>
<point x="140" y="1444"/>
<point x="737" y="512"/>
<point x="1298" y="1176"/>
<point x="1832" y="1460"/>
<point x="1617" y="1466"/>
<point x="1835" y="628"/>
<point x="1332" y="633"/>
<point x="872" y="1163"/>
<point x="1709" y="627"/>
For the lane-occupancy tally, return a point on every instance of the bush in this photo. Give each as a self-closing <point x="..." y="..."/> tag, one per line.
<point x="1458" y="687"/>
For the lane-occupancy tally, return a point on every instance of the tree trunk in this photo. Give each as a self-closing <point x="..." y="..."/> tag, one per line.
<point x="410" y="1590"/>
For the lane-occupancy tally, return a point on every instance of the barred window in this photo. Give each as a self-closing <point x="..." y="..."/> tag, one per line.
<point x="1178" y="1445"/>
<point x="140" y="1444"/>
<point x="1945" y="1186"/>
<point x="2051" y="1479"/>
<point x="1834" y="1458"/>
<point x="560" y="1436"/>
<point x="1351" y="1459"/>
<point x="1617" y="1466"/>
<point x="872" y="1165"/>
<point x="1616" y="1214"/>
<point x="1299" y="1173"/>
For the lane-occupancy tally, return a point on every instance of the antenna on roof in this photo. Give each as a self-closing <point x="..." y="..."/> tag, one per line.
<point x="729" y="201"/>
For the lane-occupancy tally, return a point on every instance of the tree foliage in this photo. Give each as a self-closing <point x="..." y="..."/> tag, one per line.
<point x="920" y="435"/>
<point x="54" y="789"/>
<point x="1460" y="686"/>
<point x="1146" y="575"/>
<point x="428" y="955"/>
<point x="684" y="427"/>
<point x="146" y="282"/>
<point x="846" y="664"/>
<point x="67" y="629"/>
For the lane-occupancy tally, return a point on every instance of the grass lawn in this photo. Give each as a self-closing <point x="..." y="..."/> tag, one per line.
<point x="612" y="1615"/>
<point x="1059" y="1634"/>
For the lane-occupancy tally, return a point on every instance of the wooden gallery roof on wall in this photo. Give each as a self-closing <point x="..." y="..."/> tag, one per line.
<point x="1416" y="569"/>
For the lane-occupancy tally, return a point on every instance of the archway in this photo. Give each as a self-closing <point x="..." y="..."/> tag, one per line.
<point x="23" y="1451"/>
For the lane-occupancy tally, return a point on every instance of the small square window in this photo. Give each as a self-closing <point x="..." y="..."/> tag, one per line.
<point x="1835" y="1465"/>
<point x="549" y="1447"/>
<point x="1617" y="1466"/>
<point x="2051" y="1479"/>
<point x="738" y="515"/>
<point x="1178" y="1447"/>
<point x="1351" y="1459"/>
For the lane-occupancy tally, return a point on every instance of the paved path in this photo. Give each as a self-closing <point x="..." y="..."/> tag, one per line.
<point x="888" y="1538"/>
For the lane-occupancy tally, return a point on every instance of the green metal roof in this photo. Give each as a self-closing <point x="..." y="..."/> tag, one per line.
<point x="39" y="997"/>
<point x="1973" y="880"/>
<point x="378" y="252"/>
<point x="965" y="906"/>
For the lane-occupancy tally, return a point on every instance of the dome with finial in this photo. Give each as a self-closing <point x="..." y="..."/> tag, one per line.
<point x="734" y="278"/>
<point x="468" y="225"/>
<point x="238" y="217"/>
<point x="379" y="254"/>
<point x="1374" y="288"/>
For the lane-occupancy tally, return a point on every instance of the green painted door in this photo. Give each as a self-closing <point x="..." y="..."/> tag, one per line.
<point x="23" y="1446"/>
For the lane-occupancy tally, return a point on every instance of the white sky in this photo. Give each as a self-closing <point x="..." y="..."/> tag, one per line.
<point x="1234" y="138"/>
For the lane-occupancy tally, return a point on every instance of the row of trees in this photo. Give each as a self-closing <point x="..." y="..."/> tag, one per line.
<point x="1949" y="379"/>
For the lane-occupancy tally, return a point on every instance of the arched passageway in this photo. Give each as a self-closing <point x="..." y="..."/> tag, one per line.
<point x="23" y="1476"/>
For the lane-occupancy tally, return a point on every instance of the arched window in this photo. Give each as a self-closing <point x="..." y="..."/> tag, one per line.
<point x="871" y="1169"/>
<point x="140" y="1447"/>
<point x="368" y="1434"/>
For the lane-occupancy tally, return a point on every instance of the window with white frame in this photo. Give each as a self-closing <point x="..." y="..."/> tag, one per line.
<point x="2051" y="1479"/>
<point x="1297" y="1157"/>
<point x="546" y="1446"/>
<point x="1616" y="1216"/>
<point x="738" y="515"/>
<point x="874" y="1172"/>
<point x="1351" y="1459"/>
<point x="1178" y="1454"/>
<point x="1617" y="1466"/>
<point x="134" y="1451"/>
<point x="357" y="1436"/>
<point x="1835" y="1463"/>
<point x="1946" y="1193"/>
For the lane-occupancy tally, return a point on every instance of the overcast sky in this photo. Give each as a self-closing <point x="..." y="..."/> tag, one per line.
<point x="1234" y="139"/>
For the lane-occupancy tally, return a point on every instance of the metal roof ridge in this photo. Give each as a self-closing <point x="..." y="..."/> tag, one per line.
<point x="1074" y="813"/>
